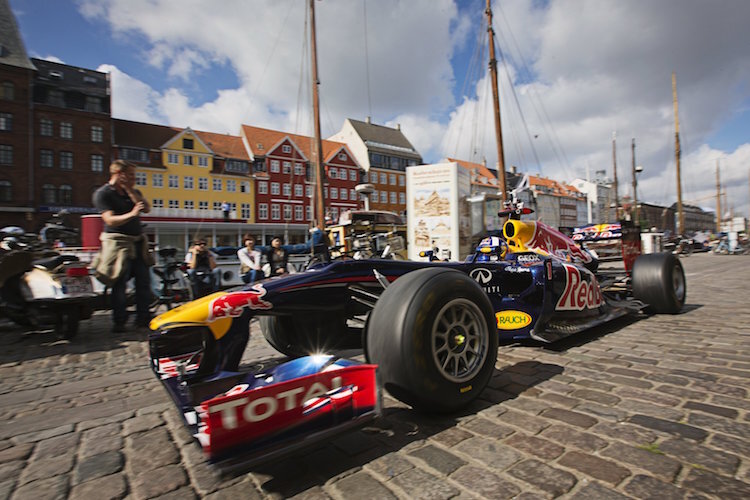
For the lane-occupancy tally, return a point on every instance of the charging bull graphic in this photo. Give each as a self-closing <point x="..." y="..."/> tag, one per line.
<point x="232" y="304"/>
<point x="536" y="236"/>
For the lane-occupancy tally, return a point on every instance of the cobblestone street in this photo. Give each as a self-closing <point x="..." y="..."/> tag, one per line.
<point x="649" y="407"/>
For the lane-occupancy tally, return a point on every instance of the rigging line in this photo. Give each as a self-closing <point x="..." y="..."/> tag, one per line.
<point x="367" y="60"/>
<point x="471" y="70"/>
<point x="518" y="105"/>
<point x="547" y="122"/>
<point x="273" y="50"/>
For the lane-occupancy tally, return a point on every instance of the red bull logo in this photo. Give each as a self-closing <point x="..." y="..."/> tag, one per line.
<point x="557" y="244"/>
<point x="232" y="304"/>
<point x="579" y="293"/>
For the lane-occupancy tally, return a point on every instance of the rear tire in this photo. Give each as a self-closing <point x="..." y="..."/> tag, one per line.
<point x="306" y="334"/>
<point x="433" y="334"/>
<point x="659" y="281"/>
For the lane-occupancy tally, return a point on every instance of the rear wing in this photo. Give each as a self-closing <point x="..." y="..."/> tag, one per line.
<point x="611" y="242"/>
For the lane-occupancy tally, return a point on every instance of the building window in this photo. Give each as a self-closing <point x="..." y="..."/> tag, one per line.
<point x="287" y="212"/>
<point x="93" y="104"/>
<point x="174" y="204"/>
<point x="393" y="197"/>
<point x="259" y="166"/>
<point x="245" y="212"/>
<point x="203" y="161"/>
<point x="187" y="182"/>
<point x="342" y="156"/>
<point x="174" y="182"/>
<point x="140" y="178"/>
<point x="187" y="143"/>
<point x="308" y="213"/>
<point x="97" y="163"/>
<point x="217" y="184"/>
<point x="286" y="167"/>
<point x="131" y="154"/>
<point x="333" y="173"/>
<point x="66" y="130"/>
<point x="263" y="211"/>
<point x="189" y="204"/>
<point x="158" y="203"/>
<point x="344" y="193"/>
<point x="352" y="195"/>
<point x="173" y="158"/>
<point x="56" y="98"/>
<point x="383" y="197"/>
<point x="49" y="194"/>
<point x="401" y="180"/>
<point x="402" y="198"/>
<point x="45" y="127"/>
<point x="308" y="191"/>
<point x="46" y="158"/>
<point x="65" y="195"/>
<point x="275" y="166"/>
<point x="262" y="187"/>
<point x="202" y="183"/>
<point x="6" y="121"/>
<point x="97" y="133"/>
<point x="202" y="205"/>
<point x="287" y="189"/>
<point x="66" y="160"/>
<point x="244" y="187"/>
<point x="364" y="177"/>
<point x="8" y="91"/>
<point x="353" y="175"/>
<point x="187" y="160"/>
<point x="157" y="180"/>
<point x="299" y="169"/>
<point x="297" y="212"/>
<point x="274" y="188"/>
<point x="298" y="190"/>
<point x="383" y="178"/>
<point x="6" y="191"/>
<point x="286" y="148"/>
<point x="392" y="179"/>
<point x="231" y="186"/>
<point x="334" y="193"/>
<point x="217" y="205"/>
<point x="275" y="212"/>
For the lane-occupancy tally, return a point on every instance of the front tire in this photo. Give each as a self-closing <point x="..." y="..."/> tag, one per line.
<point x="306" y="334"/>
<point x="659" y="281"/>
<point x="433" y="335"/>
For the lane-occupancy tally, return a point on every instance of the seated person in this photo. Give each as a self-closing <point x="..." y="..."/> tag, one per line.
<point x="200" y="258"/>
<point x="277" y="257"/>
<point x="249" y="260"/>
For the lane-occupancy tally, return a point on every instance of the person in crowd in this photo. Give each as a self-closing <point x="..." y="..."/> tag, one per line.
<point x="277" y="257"/>
<point x="249" y="260"/>
<point x="226" y="208"/>
<point x="124" y="252"/>
<point x="201" y="259"/>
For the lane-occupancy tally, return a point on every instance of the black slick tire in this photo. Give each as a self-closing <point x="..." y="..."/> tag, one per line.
<point x="659" y="281"/>
<point x="307" y="333"/>
<point x="433" y="335"/>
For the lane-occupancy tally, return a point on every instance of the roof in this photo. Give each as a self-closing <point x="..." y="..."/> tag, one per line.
<point x="72" y="78"/>
<point x="480" y="174"/>
<point x="12" y="49"/>
<point x="553" y="187"/>
<point x="262" y="140"/>
<point x="228" y="146"/>
<point x="385" y="139"/>
<point x="142" y="135"/>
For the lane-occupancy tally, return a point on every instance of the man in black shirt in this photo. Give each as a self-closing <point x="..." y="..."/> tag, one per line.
<point x="121" y="205"/>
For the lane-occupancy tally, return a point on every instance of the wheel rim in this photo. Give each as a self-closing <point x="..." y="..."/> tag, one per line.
<point x="460" y="340"/>
<point x="678" y="283"/>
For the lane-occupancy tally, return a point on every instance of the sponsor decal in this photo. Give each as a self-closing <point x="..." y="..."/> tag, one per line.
<point x="242" y="411"/>
<point x="512" y="320"/>
<point x="527" y="259"/>
<point x="483" y="277"/>
<point x="515" y="269"/>
<point x="556" y="243"/>
<point x="579" y="293"/>
<point x="232" y="304"/>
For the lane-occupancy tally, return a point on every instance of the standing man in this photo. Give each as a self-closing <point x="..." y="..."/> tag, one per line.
<point x="226" y="207"/>
<point x="124" y="252"/>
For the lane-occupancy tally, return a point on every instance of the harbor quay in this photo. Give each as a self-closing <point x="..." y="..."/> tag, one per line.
<point x="644" y="407"/>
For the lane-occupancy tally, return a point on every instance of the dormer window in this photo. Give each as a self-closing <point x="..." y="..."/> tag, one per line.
<point x="286" y="148"/>
<point x="56" y="74"/>
<point x="187" y="143"/>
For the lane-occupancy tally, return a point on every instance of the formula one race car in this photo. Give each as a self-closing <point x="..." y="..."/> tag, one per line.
<point x="432" y="329"/>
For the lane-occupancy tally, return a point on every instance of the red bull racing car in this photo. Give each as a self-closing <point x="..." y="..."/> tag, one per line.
<point x="429" y="330"/>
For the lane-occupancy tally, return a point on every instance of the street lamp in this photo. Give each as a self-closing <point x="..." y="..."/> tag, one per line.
<point x="366" y="190"/>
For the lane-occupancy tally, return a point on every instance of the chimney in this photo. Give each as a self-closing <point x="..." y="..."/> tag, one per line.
<point x="398" y="126"/>
<point x="369" y="120"/>
<point x="513" y="169"/>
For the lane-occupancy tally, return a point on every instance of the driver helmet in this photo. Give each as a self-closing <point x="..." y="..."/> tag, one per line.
<point x="492" y="248"/>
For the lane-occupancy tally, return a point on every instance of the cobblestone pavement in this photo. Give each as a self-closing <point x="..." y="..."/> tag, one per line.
<point x="644" y="408"/>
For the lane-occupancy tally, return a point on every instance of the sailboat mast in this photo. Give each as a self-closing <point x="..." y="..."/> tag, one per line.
<point x="718" y="199"/>
<point x="635" y="184"/>
<point x="319" y="215"/>
<point x="496" y="103"/>
<point x="677" y="153"/>
<point x="614" y="173"/>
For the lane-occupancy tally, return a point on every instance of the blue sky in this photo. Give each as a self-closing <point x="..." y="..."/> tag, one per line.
<point x="581" y="70"/>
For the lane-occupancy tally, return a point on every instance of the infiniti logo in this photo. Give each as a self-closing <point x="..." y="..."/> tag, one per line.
<point x="481" y="275"/>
